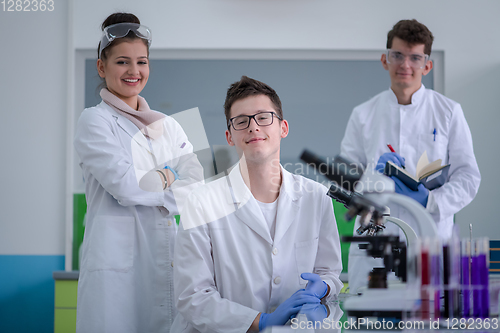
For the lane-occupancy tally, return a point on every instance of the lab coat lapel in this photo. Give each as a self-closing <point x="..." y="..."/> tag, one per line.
<point x="127" y="126"/>
<point x="288" y="207"/>
<point x="131" y="130"/>
<point x="248" y="209"/>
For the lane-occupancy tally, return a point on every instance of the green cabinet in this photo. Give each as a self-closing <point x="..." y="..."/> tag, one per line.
<point x="66" y="291"/>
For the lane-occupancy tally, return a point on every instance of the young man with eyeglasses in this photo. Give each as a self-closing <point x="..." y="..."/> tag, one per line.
<point x="413" y="120"/>
<point x="261" y="244"/>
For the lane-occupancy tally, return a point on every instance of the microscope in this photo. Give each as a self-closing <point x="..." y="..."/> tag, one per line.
<point x="366" y="193"/>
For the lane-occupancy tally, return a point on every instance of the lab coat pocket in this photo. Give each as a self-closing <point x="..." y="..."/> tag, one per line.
<point x="111" y="246"/>
<point x="305" y="255"/>
<point x="435" y="145"/>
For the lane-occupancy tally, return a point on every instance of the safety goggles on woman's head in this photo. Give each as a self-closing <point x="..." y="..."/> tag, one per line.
<point x="416" y="60"/>
<point x="121" y="30"/>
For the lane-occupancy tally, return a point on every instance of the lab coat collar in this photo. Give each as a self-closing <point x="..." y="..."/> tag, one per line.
<point x="416" y="98"/>
<point x="241" y="193"/>
<point x="288" y="207"/>
<point x="126" y="125"/>
<point x="249" y="211"/>
<point x="418" y="95"/>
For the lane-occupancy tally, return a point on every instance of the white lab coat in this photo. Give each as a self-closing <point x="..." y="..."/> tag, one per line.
<point x="126" y="278"/>
<point x="228" y="269"/>
<point x="409" y="129"/>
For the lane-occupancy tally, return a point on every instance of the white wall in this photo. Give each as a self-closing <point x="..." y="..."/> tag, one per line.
<point x="34" y="92"/>
<point x="33" y="62"/>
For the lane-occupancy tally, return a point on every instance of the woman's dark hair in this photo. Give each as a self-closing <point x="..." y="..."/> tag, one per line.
<point x="114" y="19"/>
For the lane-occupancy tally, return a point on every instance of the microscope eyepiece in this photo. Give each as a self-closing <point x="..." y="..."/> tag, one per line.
<point x="341" y="171"/>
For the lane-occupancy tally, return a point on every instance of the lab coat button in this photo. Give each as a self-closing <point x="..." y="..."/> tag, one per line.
<point x="275" y="251"/>
<point x="172" y="264"/>
<point x="277" y="280"/>
<point x="169" y="223"/>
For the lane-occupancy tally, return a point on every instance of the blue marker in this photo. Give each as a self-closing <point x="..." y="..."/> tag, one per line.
<point x="434" y="134"/>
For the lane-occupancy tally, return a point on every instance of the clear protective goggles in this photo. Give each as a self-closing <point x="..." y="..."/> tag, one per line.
<point x="120" y="30"/>
<point x="415" y="61"/>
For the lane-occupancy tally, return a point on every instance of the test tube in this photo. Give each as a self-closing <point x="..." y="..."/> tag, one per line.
<point x="435" y="276"/>
<point x="446" y="279"/>
<point x="479" y="277"/>
<point x="475" y="281"/>
<point x="483" y="255"/>
<point x="455" y="272"/>
<point x="425" y="279"/>
<point x="465" y="277"/>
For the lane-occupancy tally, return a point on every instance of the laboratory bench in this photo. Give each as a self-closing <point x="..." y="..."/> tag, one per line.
<point x="66" y="290"/>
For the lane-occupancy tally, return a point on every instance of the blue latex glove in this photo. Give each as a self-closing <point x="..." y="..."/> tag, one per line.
<point x="421" y="195"/>
<point x="393" y="157"/>
<point x="314" y="312"/>
<point x="286" y="310"/>
<point x="316" y="286"/>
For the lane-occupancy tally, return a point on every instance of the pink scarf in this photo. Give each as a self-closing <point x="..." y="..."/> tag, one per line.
<point x="145" y="119"/>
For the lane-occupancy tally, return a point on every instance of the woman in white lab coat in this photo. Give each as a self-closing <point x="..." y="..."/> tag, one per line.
<point x="137" y="165"/>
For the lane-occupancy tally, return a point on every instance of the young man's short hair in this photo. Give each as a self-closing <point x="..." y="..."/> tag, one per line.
<point x="246" y="87"/>
<point x="412" y="32"/>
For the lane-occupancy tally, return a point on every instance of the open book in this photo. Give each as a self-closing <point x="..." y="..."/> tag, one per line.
<point x="432" y="175"/>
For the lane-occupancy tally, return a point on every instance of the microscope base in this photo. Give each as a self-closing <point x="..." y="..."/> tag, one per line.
<point x="393" y="303"/>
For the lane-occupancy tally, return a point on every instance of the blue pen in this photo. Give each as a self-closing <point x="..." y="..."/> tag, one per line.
<point x="434" y="134"/>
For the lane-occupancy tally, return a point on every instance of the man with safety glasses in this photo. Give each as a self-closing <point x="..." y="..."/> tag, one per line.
<point x="413" y="120"/>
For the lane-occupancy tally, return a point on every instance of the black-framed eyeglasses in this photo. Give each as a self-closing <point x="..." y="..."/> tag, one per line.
<point x="241" y="123"/>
